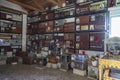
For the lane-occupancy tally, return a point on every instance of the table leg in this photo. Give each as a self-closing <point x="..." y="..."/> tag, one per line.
<point x="100" y="72"/>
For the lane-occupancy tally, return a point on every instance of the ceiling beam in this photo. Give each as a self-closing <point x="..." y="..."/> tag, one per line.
<point x="38" y="4"/>
<point x="24" y="5"/>
<point x="61" y="2"/>
<point x="52" y="1"/>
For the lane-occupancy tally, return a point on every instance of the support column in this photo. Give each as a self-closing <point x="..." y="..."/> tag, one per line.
<point x="24" y="30"/>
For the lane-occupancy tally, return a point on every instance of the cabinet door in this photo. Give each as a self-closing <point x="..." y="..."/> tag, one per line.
<point x="97" y="41"/>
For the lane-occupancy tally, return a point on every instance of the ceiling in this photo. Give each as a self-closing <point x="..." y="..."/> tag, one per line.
<point x="37" y="5"/>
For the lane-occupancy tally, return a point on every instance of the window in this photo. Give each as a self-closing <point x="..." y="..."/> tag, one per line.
<point x="115" y="27"/>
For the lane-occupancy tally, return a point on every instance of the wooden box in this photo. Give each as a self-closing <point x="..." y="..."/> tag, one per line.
<point x="41" y="28"/>
<point x="22" y="54"/>
<point x="10" y="60"/>
<point x="101" y="5"/>
<point x="97" y="27"/>
<point x="52" y="59"/>
<point x="50" y="15"/>
<point x="59" y="29"/>
<point x="81" y="9"/>
<point x="82" y="41"/>
<point x="28" y="60"/>
<point x="17" y="30"/>
<point x="2" y="15"/>
<point x="83" y="19"/>
<point x="97" y="41"/>
<point x="98" y="18"/>
<point x="43" y="16"/>
<point x="59" y="14"/>
<point x="68" y="36"/>
<point x="69" y="27"/>
<point x="49" y="26"/>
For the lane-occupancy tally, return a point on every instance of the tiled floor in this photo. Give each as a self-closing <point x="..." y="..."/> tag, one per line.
<point x="33" y="72"/>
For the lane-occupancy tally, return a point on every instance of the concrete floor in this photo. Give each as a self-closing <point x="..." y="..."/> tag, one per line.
<point x="34" y="72"/>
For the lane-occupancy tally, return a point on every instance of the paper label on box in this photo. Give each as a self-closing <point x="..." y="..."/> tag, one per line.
<point x="84" y="27"/>
<point x="78" y="28"/>
<point x="91" y="27"/>
<point x="77" y="45"/>
<point x="13" y="27"/>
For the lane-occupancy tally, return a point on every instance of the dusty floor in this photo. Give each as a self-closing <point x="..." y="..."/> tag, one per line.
<point x="33" y="72"/>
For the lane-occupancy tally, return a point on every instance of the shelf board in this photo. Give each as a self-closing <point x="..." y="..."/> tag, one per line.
<point x="90" y="31"/>
<point x="10" y="20"/>
<point x="9" y="33"/>
<point x="92" y="12"/>
<point x="40" y="21"/>
<point x="89" y="49"/>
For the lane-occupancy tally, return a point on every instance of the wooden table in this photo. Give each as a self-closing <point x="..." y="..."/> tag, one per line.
<point x="106" y="64"/>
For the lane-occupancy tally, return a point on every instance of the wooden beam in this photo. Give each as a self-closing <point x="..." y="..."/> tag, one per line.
<point x="24" y="5"/>
<point x="61" y="2"/>
<point x="14" y="9"/>
<point x="38" y="4"/>
<point x="53" y="1"/>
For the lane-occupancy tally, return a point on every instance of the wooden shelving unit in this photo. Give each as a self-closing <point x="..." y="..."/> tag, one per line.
<point x="10" y="32"/>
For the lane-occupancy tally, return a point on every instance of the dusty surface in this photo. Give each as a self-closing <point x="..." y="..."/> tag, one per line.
<point x="33" y="72"/>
